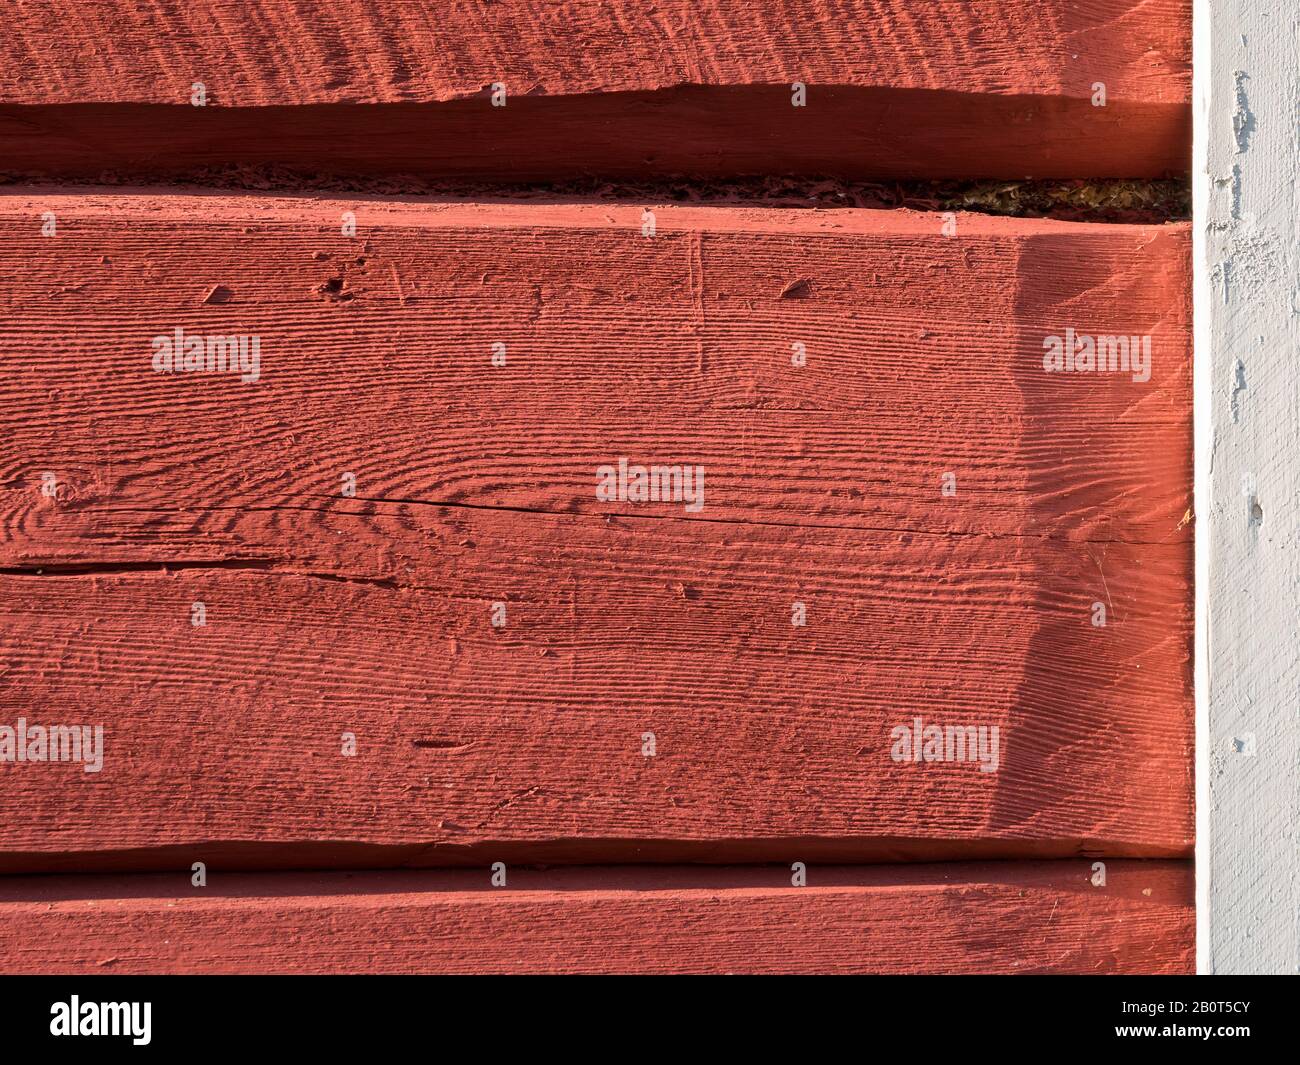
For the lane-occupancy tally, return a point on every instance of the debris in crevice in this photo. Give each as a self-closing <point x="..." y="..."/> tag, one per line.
<point x="1084" y="200"/>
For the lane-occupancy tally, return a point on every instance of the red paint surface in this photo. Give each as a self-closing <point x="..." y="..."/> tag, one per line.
<point x="1022" y="917"/>
<point x="369" y="614"/>
<point x="476" y="484"/>
<point x="405" y="51"/>
<point x="616" y="89"/>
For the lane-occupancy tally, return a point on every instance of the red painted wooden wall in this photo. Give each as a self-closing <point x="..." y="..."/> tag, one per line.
<point x="377" y="598"/>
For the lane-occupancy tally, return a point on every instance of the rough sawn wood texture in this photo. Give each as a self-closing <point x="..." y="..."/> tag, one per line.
<point x="475" y="484"/>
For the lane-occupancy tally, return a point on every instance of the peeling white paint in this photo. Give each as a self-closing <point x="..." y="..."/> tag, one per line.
<point x="1246" y="171"/>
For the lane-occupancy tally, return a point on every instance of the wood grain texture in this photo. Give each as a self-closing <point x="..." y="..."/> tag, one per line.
<point x="531" y="736"/>
<point x="263" y="52"/>
<point x="895" y="90"/>
<point x="370" y="614"/>
<point x="1003" y="918"/>
<point x="924" y="356"/>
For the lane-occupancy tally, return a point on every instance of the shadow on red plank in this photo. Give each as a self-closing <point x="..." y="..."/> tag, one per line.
<point x="692" y="132"/>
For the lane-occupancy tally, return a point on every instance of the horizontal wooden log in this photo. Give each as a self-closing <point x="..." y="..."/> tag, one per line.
<point x="1002" y="918"/>
<point x="924" y="356"/>
<point x="372" y="614"/>
<point x="948" y="89"/>
<point x="529" y="741"/>
<point x="409" y="52"/>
